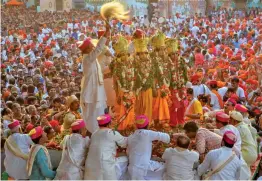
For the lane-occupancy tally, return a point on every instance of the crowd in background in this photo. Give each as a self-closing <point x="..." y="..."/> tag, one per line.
<point x="41" y="68"/>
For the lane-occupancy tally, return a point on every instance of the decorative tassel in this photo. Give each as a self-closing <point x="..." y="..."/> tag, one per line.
<point x="114" y="10"/>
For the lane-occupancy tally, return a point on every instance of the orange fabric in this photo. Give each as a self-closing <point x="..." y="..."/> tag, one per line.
<point x="14" y="3"/>
<point x="129" y="120"/>
<point x="220" y="100"/>
<point x="160" y="107"/>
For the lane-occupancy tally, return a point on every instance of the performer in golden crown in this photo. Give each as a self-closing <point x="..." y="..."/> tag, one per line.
<point x="144" y="77"/>
<point x="178" y="80"/>
<point x="123" y="74"/>
<point x="162" y="76"/>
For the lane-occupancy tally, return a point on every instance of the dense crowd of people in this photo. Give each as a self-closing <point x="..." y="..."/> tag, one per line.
<point x="73" y="82"/>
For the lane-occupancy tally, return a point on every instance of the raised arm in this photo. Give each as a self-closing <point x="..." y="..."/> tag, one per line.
<point x="164" y="137"/>
<point x="98" y="49"/>
<point x="101" y="44"/>
<point x="119" y="139"/>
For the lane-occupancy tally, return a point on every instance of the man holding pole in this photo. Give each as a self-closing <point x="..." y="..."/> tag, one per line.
<point x="93" y="97"/>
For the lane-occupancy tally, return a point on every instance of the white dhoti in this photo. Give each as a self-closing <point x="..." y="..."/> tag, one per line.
<point x="90" y="112"/>
<point x="155" y="171"/>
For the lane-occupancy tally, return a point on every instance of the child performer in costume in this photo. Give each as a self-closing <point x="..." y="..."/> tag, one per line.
<point x="123" y="75"/>
<point x="178" y="80"/>
<point x="144" y="78"/>
<point x="162" y="76"/>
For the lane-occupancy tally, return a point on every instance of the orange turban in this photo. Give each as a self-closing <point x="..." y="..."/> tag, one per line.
<point x="211" y="70"/>
<point x="220" y="84"/>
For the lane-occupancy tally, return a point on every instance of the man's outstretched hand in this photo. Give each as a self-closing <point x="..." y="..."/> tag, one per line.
<point x="107" y="33"/>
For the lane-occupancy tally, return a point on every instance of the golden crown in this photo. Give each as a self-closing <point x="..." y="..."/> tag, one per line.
<point x="172" y="45"/>
<point x="121" y="46"/>
<point x="158" y="40"/>
<point x="141" y="45"/>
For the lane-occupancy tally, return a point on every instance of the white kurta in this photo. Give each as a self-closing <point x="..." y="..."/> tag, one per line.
<point x="16" y="166"/>
<point x="201" y="89"/>
<point x="140" y="150"/>
<point x="179" y="164"/>
<point x="232" y="128"/>
<point x="236" y="132"/>
<point x="93" y="96"/>
<point x="249" y="145"/>
<point x="71" y="166"/>
<point x="215" y="157"/>
<point x="101" y="160"/>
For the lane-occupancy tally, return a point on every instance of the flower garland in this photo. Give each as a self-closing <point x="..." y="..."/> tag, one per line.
<point x="123" y="71"/>
<point x="144" y="73"/>
<point x="164" y="91"/>
<point x="178" y="73"/>
<point x="162" y="74"/>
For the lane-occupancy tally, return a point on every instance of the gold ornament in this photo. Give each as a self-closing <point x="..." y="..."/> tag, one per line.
<point x="158" y="40"/>
<point x="141" y="45"/>
<point x="171" y="45"/>
<point x="121" y="46"/>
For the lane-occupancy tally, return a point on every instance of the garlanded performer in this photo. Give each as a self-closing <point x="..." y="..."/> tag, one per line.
<point x="123" y="73"/>
<point x="144" y="81"/>
<point x="178" y="80"/>
<point x="162" y="75"/>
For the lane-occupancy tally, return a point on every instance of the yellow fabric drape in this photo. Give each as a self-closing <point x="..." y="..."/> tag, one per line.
<point x="143" y="105"/>
<point x="195" y="108"/>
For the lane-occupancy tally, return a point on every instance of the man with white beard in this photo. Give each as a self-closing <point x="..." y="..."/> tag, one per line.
<point x="74" y="146"/>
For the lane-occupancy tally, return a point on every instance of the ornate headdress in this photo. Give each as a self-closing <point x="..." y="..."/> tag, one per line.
<point x="121" y="46"/>
<point x="141" y="45"/>
<point x="172" y="45"/>
<point x="158" y="40"/>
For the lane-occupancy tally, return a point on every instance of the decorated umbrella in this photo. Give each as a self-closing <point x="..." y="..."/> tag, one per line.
<point x="14" y="3"/>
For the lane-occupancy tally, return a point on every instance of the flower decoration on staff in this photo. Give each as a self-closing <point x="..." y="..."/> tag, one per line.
<point x="114" y="10"/>
<point x="164" y="91"/>
<point x="128" y="99"/>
